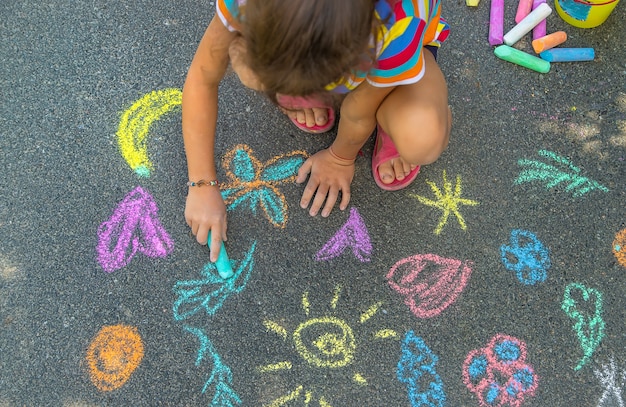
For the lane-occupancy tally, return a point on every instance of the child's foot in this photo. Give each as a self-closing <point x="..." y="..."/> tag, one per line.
<point x="310" y="114"/>
<point x="308" y="117"/>
<point x="394" y="169"/>
<point x="390" y="171"/>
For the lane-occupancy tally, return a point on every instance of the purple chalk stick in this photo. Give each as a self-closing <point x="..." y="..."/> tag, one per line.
<point x="540" y="29"/>
<point x="496" y="22"/>
<point x="352" y="234"/>
<point x="134" y="226"/>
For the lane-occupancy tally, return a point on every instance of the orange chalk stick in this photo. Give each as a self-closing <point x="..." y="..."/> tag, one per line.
<point x="549" y="41"/>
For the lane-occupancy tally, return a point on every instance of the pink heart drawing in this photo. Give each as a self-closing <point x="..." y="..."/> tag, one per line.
<point x="134" y="226"/>
<point x="430" y="283"/>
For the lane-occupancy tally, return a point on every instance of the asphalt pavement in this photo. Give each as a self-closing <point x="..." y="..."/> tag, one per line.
<point x="497" y="278"/>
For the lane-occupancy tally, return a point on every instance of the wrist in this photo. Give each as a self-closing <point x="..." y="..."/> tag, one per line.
<point x="341" y="158"/>
<point x="203" y="182"/>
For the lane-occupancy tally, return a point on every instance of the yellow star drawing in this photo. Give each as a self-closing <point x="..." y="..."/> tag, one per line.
<point x="448" y="201"/>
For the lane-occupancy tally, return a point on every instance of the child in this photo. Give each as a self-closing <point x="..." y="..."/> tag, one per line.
<point x="378" y="54"/>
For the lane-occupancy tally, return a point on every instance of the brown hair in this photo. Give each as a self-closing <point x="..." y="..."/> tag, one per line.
<point x="297" y="47"/>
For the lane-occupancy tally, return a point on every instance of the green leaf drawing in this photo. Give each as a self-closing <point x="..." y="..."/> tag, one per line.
<point x="589" y="328"/>
<point x="552" y="175"/>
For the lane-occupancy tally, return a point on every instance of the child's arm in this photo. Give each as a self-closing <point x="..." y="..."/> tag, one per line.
<point x="332" y="171"/>
<point x="205" y="210"/>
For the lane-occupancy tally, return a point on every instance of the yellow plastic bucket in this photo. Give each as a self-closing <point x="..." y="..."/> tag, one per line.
<point x="585" y="13"/>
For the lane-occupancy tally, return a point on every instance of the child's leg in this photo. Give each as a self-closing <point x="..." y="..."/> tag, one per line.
<point x="418" y="120"/>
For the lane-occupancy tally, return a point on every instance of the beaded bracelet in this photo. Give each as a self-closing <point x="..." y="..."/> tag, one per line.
<point x="202" y="182"/>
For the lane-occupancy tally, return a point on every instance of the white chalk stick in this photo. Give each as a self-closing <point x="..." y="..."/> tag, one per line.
<point x="528" y="23"/>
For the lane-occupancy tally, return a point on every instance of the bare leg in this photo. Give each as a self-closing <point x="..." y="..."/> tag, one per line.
<point x="418" y="120"/>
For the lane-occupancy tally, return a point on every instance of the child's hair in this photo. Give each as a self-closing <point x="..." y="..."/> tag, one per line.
<point x="297" y="47"/>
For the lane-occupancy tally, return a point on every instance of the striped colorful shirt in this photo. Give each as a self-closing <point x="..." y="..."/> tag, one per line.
<point x="409" y="25"/>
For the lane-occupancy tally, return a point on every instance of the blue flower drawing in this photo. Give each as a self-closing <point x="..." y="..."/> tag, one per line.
<point x="527" y="257"/>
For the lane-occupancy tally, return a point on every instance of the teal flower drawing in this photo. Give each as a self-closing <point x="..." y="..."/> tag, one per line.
<point x="561" y="172"/>
<point x="255" y="184"/>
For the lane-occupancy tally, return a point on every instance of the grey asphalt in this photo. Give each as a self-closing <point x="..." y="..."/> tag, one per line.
<point x="337" y="325"/>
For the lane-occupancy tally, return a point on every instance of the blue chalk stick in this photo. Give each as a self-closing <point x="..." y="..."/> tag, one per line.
<point x="223" y="265"/>
<point x="568" y="54"/>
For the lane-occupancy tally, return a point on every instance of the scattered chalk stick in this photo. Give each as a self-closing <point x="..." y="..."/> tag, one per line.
<point x="496" y="22"/>
<point x="524" y="8"/>
<point x="528" y="23"/>
<point x="568" y="54"/>
<point x="223" y="264"/>
<point x="541" y="29"/>
<point x="521" y="58"/>
<point x="549" y="41"/>
<point x="472" y="3"/>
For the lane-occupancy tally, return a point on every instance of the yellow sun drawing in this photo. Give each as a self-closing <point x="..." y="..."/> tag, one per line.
<point x="323" y="342"/>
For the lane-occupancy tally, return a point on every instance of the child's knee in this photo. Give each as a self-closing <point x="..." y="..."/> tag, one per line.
<point x="423" y="137"/>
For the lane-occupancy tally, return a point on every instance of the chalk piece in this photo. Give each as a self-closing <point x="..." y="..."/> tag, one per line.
<point x="223" y="265"/>
<point x="568" y="54"/>
<point x="528" y="23"/>
<point x="496" y="22"/>
<point x="540" y="29"/>
<point x="523" y="9"/>
<point x="549" y="41"/>
<point x="472" y="3"/>
<point x="522" y="58"/>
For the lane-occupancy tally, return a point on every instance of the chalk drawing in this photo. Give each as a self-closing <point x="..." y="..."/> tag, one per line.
<point x="429" y="283"/>
<point x="619" y="247"/>
<point x="254" y="184"/>
<point x="527" y="257"/>
<point x="353" y="234"/>
<point x="552" y="176"/>
<point x="333" y="348"/>
<point x="416" y="368"/>
<point x="113" y="355"/>
<point x="498" y="374"/>
<point x="588" y="327"/>
<point x="447" y="201"/>
<point x="323" y="342"/>
<point x="133" y="227"/>
<point x="210" y="291"/>
<point x="296" y="394"/>
<point x="613" y="382"/>
<point x="221" y="377"/>
<point x="134" y="127"/>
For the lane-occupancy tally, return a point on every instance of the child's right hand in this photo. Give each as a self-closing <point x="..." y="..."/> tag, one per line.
<point x="328" y="176"/>
<point x="205" y="211"/>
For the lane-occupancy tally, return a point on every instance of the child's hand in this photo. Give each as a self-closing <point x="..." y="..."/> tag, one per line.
<point x="205" y="211"/>
<point x="329" y="176"/>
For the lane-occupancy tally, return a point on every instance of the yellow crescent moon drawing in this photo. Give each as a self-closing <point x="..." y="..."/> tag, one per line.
<point x="132" y="132"/>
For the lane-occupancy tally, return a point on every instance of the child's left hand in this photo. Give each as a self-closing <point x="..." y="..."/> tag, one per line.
<point x="329" y="175"/>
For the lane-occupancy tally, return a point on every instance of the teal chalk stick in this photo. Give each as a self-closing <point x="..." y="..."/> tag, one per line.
<point x="568" y="54"/>
<point x="223" y="264"/>
<point x="521" y="58"/>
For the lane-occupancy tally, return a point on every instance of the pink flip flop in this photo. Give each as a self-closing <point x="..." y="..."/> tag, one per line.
<point x="388" y="152"/>
<point x="298" y="102"/>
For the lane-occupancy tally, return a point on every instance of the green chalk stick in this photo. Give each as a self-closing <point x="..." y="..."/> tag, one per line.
<point x="521" y="58"/>
<point x="223" y="265"/>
